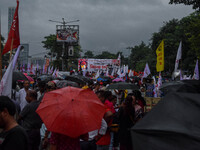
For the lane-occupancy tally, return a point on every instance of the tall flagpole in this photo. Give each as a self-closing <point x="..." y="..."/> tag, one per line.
<point x="0" y="50"/>
<point x="11" y="49"/>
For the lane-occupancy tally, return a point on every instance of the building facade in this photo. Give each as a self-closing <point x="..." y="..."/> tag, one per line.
<point x="11" y="12"/>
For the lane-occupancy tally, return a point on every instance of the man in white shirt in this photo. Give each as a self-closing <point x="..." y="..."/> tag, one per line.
<point x="94" y="136"/>
<point x="22" y="94"/>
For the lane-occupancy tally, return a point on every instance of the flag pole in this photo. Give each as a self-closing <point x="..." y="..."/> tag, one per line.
<point x="0" y="50"/>
<point x="11" y="48"/>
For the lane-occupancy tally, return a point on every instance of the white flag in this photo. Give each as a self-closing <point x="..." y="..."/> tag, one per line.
<point x="97" y="74"/>
<point x="178" y="56"/>
<point x="146" y="71"/>
<point x="54" y="73"/>
<point x="130" y="73"/>
<point x="113" y="71"/>
<point x="119" y="57"/>
<point x="196" y="72"/>
<point x="159" y="81"/>
<point x="107" y="73"/>
<point x="6" y="81"/>
<point x="155" y="88"/>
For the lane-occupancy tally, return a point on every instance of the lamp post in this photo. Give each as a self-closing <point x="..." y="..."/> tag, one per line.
<point x="63" y="46"/>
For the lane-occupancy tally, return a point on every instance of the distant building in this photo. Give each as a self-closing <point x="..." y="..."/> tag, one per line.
<point x="11" y="12"/>
<point x="37" y="60"/>
<point x="24" y="55"/>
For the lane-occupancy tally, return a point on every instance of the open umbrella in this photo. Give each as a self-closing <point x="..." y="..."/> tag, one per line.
<point x="186" y="85"/>
<point x="71" y="111"/>
<point x="86" y="79"/>
<point x="122" y="86"/>
<point x="173" y="124"/>
<point x="102" y="79"/>
<point x="118" y="80"/>
<point x="29" y="78"/>
<point x="65" y="83"/>
<point x="75" y="79"/>
<point x="17" y="75"/>
<point x="46" y="77"/>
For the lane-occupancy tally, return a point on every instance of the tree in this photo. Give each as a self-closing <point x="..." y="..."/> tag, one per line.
<point x="140" y="55"/>
<point x="88" y="54"/>
<point x="174" y="31"/>
<point x="106" y="55"/>
<point x="193" y="32"/>
<point x="169" y="33"/>
<point x="195" y="3"/>
<point x="5" y="57"/>
<point x="56" y="51"/>
<point x="73" y="60"/>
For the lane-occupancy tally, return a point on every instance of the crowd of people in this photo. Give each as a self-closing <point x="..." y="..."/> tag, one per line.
<point x="23" y="129"/>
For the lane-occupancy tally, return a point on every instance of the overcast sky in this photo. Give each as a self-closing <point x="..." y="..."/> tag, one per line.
<point x="105" y="25"/>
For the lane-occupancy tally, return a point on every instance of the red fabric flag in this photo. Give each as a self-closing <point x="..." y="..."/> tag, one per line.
<point x="13" y="34"/>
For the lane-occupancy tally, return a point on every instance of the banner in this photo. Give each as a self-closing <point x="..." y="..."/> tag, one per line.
<point x="160" y="57"/>
<point x="97" y="64"/>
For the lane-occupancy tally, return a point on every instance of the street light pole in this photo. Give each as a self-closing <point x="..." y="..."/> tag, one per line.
<point x="63" y="46"/>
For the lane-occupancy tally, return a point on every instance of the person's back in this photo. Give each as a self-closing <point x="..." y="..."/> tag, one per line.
<point x="31" y="121"/>
<point x="13" y="137"/>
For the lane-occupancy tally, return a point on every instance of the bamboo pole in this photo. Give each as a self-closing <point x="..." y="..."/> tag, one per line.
<point x="11" y="48"/>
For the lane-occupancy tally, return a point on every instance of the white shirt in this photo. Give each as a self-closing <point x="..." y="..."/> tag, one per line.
<point x="22" y="98"/>
<point x="101" y="131"/>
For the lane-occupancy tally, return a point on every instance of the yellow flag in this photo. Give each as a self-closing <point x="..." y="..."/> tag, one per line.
<point x="160" y="57"/>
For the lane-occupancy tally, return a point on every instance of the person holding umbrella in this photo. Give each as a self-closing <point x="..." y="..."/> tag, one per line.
<point x="69" y="113"/>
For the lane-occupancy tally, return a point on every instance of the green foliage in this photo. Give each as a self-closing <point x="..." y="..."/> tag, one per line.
<point x="140" y="55"/>
<point x="5" y="57"/>
<point x="174" y="31"/>
<point x="106" y="55"/>
<point x="56" y="51"/>
<point x="88" y="54"/>
<point x="195" y="3"/>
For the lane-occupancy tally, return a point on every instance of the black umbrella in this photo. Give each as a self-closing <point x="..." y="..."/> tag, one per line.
<point x="183" y="85"/>
<point x="65" y="83"/>
<point x="86" y="79"/>
<point x="173" y="124"/>
<point x="17" y="75"/>
<point x="46" y="78"/>
<point x="122" y="86"/>
<point x="75" y="79"/>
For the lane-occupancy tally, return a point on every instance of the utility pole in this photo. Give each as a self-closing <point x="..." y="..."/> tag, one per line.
<point x="63" y="43"/>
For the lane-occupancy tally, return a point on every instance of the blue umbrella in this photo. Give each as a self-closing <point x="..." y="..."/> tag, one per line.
<point x="102" y="79"/>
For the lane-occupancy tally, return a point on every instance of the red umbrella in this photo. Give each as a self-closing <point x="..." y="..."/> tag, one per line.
<point x="71" y="111"/>
<point x="28" y="77"/>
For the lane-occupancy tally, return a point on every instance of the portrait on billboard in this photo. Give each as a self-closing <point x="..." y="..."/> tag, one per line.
<point x="68" y="35"/>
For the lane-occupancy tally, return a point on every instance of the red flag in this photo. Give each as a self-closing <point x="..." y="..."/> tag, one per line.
<point x="13" y="34"/>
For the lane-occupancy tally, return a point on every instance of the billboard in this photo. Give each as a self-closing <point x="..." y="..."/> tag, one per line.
<point x="68" y="34"/>
<point x="97" y="64"/>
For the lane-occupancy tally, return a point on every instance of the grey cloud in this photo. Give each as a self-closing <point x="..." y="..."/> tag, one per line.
<point x="104" y="24"/>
